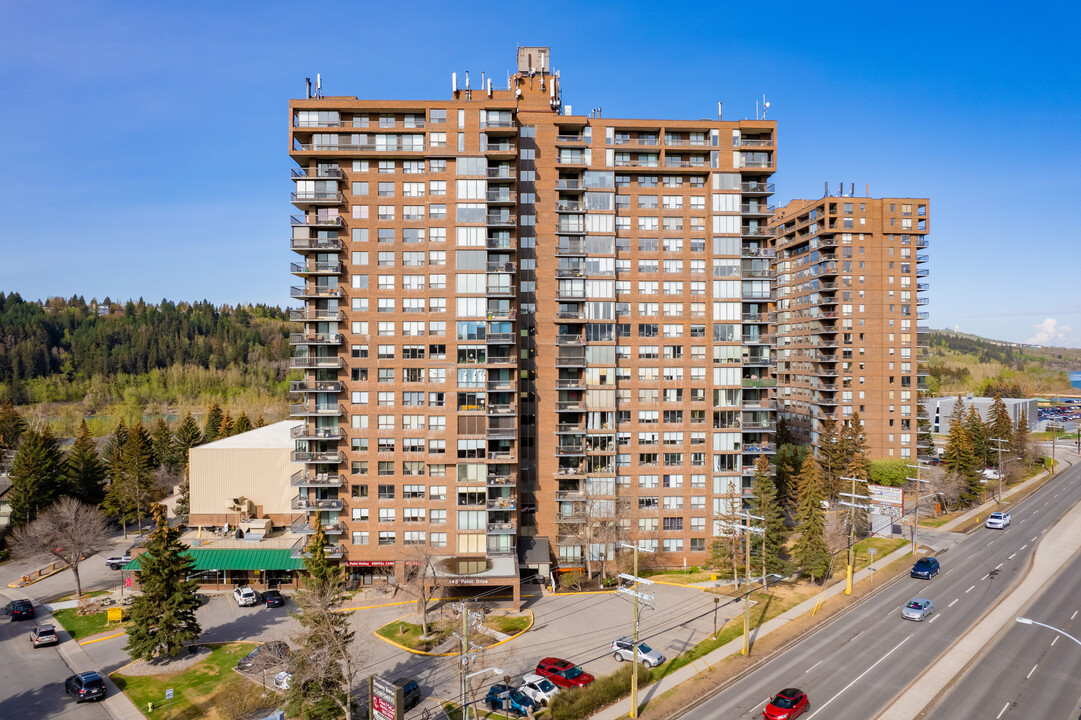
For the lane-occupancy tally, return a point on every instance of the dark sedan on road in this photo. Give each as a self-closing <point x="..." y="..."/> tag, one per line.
<point x="20" y="610"/>
<point x="925" y="568"/>
<point x="85" y="686"/>
<point x="273" y="599"/>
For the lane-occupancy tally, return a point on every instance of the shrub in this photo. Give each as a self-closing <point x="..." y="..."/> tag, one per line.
<point x="602" y="692"/>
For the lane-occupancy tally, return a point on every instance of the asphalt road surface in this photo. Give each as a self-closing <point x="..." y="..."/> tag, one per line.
<point x="1030" y="671"/>
<point x="854" y="665"/>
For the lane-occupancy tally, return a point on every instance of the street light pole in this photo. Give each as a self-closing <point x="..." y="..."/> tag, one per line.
<point x="634" y="639"/>
<point x="1030" y="621"/>
<point x="916" y="518"/>
<point x="852" y="507"/>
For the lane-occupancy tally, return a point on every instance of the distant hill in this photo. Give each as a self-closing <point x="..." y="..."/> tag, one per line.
<point x="961" y="362"/>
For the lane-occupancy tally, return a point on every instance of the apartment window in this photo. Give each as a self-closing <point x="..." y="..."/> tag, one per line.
<point x="360" y="537"/>
<point x="386" y="537"/>
<point x="386" y="492"/>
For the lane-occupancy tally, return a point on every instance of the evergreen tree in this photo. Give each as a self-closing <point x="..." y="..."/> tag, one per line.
<point x="1022" y="438"/>
<point x="188" y="435"/>
<point x="212" y="428"/>
<point x="789" y="459"/>
<point x="260" y="422"/>
<point x="84" y="472"/>
<point x="978" y="435"/>
<point x="925" y="440"/>
<point x="810" y="551"/>
<point x="765" y="505"/>
<point x="227" y="428"/>
<point x="242" y="424"/>
<point x="999" y="428"/>
<point x="854" y="441"/>
<point x="36" y="475"/>
<point x="784" y="435"/>
<point x="959" y="457"/>
<point x="831" y="457"/>
<point x="164" y="445"/>
<point x="113" y="452"/>
<point x="139" y="472"/>
<point x="12" y="426"/>
<point x="163" y="616"/>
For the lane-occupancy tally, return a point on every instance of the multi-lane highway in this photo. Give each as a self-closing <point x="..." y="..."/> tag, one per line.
<point x="854" y="665"/>
<point x="1029" y="672"/>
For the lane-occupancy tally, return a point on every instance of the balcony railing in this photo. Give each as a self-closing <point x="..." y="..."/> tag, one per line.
<point x="759" y="383"/>
<point x="312" y="362"/>
<point x="334" y="409"/>
<point x="299" y="549"/>
<point x="501" y="148"/>
<point x="316" y="268"/>
<point x="316" y="315"/>
<point x="301" y="502"/>
<point x="502" y="479"/>
<point x="316" y="244"/>
<point x="315" y="338"/>
<point x="502" y="196"/>
<point x="317" y="174"/>
<point x="300" y="526"/>
<point x="570" y="405"/>
<point x="303" y="432"/>
<point x="499" y="338"/>
<point x="305" y="478"/>
<point x="503" y="503"/>
<point x="506" y="220"/>
<point x="755" y="142"/>
<point x="332" y="197"/>
<point x="501" y="244"/>
<point x="570" y="185"/>
<point x="571" y="361"/>
<point x="570" y="206"/>
<point x="756" y="188"/>
<point x="570" y="339"/>
<point x="571" y="139"/>
<point x="501" y="455"/>
<point x="501" y="409"/>
<point x="303" y="220"/>
<point x="571" y="384"/>
<point x="312" y="456"/>
<point x="503" y="528"/>
<point x="501" y="267"/>
<point x="316" y="292"/>
<point x="501" y="173"/>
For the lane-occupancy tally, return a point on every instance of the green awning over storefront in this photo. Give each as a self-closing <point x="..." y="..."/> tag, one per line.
<point x="238" y="559"/>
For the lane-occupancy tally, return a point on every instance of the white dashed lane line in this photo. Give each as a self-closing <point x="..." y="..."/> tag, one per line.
<point x="1011" y="557"/>
<point x="933" y="618"/>
<point x="1032" y="671"/>
<point x="970" y="589"/>
<point x="953" y="603"/>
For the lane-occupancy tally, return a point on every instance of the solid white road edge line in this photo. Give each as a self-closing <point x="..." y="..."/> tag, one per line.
<point x="858" y="678"/>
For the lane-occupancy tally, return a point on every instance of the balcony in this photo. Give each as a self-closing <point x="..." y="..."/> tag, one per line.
<point x="759" y="425"/>
<point x="316" y="315"/>
<point x="571" y="247"/>
<point x="299" y="549"/>
<point x="321" y="456"/>
<point x="570" y="449"/>
<point x="316" y="410"/>
<point x="570" y="272"/>
<point x="501" y="432"/>
<point x="300" y="526"/>
<point x="501" y="149"/>
<point x="501" y="479"/>
<point x="571" y="361"/>
<point x="759" y="383"/>
<point x="501" y="244"/>
<point x="755" y="142"/>
<point x="501" y="267"/>
<point x="316" y="197"/>
<point x="305" y="478"/>
<point x="759" y="448"/>
<point x="570" y="185"/>
<point x="304" y="503"/>
<point x="501" y="220"/>
<point x="571" y="314"/>
<point x="499" y="339"/>
<point x="320" y="173"/>
<point x="571" y="139"/>
<point x="756" y="188"/>
<point x="758" y="295"/>
<point x="501" y="455"/>
<point x="570" y="428"/>
<point x="305" y="221"/>
<point x="760" y="231"/>
<point x="570" y="405"/>
<point x="303" y="432"/>
<point x="574" y="206"/>
<point x="316" y="268"/>
<point x="572" y="384"/>
<point x="570" y="339"/>
<point x="316" y="244"/>
<point x="578" y="160"/>
<point x="502" y="197"/>
<point x="312" y="362"/>
<point x="571" y="471"/>
<point x="316" y="292"/>
<point x="501" y="409"/>
<point x="758" y="339"/>
<point x="502" y="528"/>
<point x="315" y="338"/>
<point x="501" y="173"/>
<point x="503" y="503"/>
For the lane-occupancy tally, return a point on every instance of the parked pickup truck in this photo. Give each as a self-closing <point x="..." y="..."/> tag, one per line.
<point x="115" y="563"/>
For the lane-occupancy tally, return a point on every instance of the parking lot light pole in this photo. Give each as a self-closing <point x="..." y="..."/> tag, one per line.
<point x="1030" y="621"/>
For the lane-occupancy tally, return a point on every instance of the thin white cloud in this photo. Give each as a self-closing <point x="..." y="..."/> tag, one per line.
<point x="1050" y="332"/>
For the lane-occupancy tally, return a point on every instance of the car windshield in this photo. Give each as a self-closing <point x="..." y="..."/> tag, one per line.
<point x="520" y="698"/>
<point x="915" y="605"/>
<point x="924" y="563"/>
<point x="572" y="673"/>
<point x="784" y="702"/>
<point x="642" y="647"/>
<point x="545" y="685"/>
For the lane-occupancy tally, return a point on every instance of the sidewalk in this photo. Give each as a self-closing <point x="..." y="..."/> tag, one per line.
<point x="622" y="708"/>
<point x="1057" y="547"/>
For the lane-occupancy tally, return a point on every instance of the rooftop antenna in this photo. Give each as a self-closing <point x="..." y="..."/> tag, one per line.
<point x="827" y="189"/>
<point x="468" y="92"/>
<point x="719" y="107"/>
<point x="765" y="106"/>
<point x="454" y="83"/>
<point x="318" y="86"/>
<point x="489" y="88"/>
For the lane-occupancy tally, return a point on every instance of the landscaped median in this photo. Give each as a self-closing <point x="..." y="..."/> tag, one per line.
<point x="208" y="688"/>
<point x="406" y="634"/>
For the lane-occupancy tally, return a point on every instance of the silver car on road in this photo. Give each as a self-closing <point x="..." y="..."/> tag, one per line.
<point x="917" y="609"/>
<point x="623" y="650"/>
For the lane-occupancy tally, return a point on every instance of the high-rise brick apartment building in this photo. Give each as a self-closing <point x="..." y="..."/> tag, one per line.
<point x="850" y="279"/>
<point x="525" y="326"/>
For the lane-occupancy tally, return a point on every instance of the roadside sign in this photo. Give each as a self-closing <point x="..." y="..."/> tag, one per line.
<point x="872" y="551"/>
<point x="169" y="694"/>
<point x="116" y="615"/>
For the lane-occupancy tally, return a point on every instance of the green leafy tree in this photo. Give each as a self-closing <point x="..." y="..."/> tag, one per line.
<point x="36" y="475"/>
<point x="891" y="472"/>
<point x="12" y="426"/>
<point x="212" y="428"/>
<point x="765" y="505"/>
<point x="854" y="441"/>
<point x="163" y="615"/>
<point x="84" y="472"/>
<point x="242" y="424"/>
<point x="327" y="664"/>
<point x="810" y="551"/>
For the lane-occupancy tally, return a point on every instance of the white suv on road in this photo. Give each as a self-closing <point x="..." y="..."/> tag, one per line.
<point x="245" y="596"/>
<point x="998" y="520"/>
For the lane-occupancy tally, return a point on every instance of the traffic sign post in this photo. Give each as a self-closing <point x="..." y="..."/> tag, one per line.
<point x="169" y="700"/>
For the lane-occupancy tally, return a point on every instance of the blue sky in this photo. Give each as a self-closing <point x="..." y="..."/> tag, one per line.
<point x="146" y="142"/>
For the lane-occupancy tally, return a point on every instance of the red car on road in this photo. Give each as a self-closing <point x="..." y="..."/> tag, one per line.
<point x="563" y="673"/>
<point x="785" y="705"/>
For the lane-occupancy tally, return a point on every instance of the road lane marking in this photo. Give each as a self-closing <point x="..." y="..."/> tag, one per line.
<point x="948" y="571"/>
<point x="1033" y="538"/>
<point x="990" y="541"/>
<point x="970" y="589"/>
<point x="1011" y="557"/>
<point x="1032" y="671"/>
<point x="986" y="576"/>
<point x="855" y="636"/>
<point x="812" y="667"/>
<point x="1024" y="546"/>
<point x="1054" y="641"/>
<point x="858" y="678"/>
<point x="1003" y="710"/>
<point x="953" y="603"/>
<point x="1074" y="615"/>
<point x="999" y="565"/>
<point x="933" y="618"/>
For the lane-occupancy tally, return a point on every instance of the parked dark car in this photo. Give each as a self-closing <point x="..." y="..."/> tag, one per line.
<point x="925" y="568"/>
<point x="269" y="653"/>
<point x="20" y="610"/>
<point x="410" y="692"/>
<point x="43" y="635"/>
<point x="85" y="686"/>
<point x="508" y="700"/>
<point x="273" y="599"/>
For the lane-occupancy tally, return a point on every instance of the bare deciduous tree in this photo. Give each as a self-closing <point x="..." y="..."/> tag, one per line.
<point x="68" y="530"/>
<point x="418" y="579"/>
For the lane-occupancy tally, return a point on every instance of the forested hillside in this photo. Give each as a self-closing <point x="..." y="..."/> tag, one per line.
<point x="138" y="358"/>
<point x="960" y="363"/>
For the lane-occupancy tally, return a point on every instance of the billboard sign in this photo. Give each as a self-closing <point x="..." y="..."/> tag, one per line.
<point x="885" y="500"/>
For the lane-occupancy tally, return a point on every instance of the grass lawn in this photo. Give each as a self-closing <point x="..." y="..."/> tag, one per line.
<point x="81" y="626"/>
<point x="96" y="593"/>
<point x="506" y="624"/>
<point x="408" y="634"/>
<point x="197" y="690"/>
<point x="884" y="546"/>
<point x="679" y="577"/>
